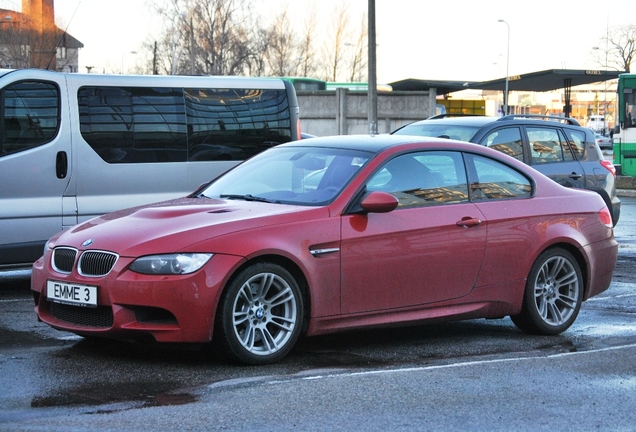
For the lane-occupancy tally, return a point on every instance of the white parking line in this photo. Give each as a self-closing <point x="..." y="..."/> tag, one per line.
<point x="463" y="364"/>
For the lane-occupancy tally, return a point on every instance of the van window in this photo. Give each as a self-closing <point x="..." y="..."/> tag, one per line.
<point x="141" y="124"/>
<point x="235" y="124"/>
<point x="29" y="115"/>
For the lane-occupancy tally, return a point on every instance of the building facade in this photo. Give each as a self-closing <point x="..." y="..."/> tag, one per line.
<point x="30" y="39"/>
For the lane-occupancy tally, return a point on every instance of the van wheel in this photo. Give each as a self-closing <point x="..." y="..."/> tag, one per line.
<point x="553" y="294"/>
<point x="260" y="315"/>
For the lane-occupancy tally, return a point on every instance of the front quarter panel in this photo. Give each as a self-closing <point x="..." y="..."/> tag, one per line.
<point x="293" y="243"/>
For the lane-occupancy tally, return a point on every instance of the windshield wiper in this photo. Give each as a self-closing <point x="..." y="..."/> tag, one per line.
<point x="247" y="197"/>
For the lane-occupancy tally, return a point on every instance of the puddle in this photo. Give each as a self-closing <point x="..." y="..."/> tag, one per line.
<point x="149" y="394"/>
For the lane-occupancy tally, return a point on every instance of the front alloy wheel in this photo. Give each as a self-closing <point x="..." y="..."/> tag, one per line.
<point x="260" y="315"/>
<point x="553" y="295"/>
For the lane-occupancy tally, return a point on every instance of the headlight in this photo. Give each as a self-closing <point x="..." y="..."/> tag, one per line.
<point x="170" y="264"/>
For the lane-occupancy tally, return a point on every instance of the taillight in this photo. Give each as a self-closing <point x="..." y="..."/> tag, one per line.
<point x="606" y="217"/>
<point x="609" y="166"/>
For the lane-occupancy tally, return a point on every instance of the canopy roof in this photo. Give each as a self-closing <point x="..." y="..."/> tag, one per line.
<point x="535" y="81"/>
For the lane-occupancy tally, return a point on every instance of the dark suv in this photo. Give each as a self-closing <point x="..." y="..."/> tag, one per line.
<point x="556" y="146"/>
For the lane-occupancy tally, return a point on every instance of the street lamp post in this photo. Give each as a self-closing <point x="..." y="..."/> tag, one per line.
<point x="507" y="65"/>
<point x="122" y="60"/>
<point x="372" y="95"/>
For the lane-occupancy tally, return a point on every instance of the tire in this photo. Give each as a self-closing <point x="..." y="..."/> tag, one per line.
<point x="553" y="294"/>
<point x="260" y="315"/>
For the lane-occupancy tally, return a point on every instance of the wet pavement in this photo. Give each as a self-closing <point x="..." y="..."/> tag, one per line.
<point x="483" y="373"/>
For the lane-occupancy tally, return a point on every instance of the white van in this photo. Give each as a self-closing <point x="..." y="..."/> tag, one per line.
<point x="75" y="146"/>
<point x="596" y="122"/>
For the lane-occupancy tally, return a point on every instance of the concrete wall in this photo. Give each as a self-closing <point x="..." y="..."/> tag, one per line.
<point x="344" y="112"/>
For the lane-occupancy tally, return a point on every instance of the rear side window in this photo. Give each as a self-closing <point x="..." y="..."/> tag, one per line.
<point x="29" y="116"/>
<point x="576" y="142"/>
<point x="141" y="124"/>
<point x="548" y="145"/>
<point x="492" y="180"/>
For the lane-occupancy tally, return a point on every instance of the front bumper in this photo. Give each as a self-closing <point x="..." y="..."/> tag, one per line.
<point x="179" y="309"/>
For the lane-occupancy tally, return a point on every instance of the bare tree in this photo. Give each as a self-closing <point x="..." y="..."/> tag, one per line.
<point x="209" y="37"/>
<point x="620" y="49"/>
<point x="14" y="40"/>
<point x="281" y="52"/>
<point x="334" y="48"/>
<point x="358" y="60"/>
<point x="307" y="52"/>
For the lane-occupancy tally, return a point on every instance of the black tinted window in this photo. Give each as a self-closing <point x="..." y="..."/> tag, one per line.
<point x="139" y="124"/>
<point x="132" y="125"/>
<point x="30" y="115"/>
<point x="234" y="124"/>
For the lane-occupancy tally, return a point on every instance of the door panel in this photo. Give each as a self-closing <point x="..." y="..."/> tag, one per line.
<point x="34" y="133"/>
<point x="409" y="257"/>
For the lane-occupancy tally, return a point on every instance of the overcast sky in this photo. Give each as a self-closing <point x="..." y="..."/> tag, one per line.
<point x="454" y="40"/>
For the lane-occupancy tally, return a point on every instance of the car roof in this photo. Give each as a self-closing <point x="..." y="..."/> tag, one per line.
<point x="476" y="121"/>
<point x="370" y="143"/>
<point x="479" y="121"/>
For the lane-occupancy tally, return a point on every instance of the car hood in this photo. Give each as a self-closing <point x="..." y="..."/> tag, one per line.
<point x="175" y="225"/>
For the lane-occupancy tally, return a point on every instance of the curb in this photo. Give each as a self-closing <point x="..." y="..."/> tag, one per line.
<point x="626" y="193"/>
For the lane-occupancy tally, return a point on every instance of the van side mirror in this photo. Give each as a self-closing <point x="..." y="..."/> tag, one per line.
<point x="379" y="202"/>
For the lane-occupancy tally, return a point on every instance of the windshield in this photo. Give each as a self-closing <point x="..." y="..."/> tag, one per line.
<point x="431" y="129"/>
<point x="290" y="175"/>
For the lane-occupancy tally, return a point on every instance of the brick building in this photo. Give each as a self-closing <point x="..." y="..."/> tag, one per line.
<point x="30" y="39"/>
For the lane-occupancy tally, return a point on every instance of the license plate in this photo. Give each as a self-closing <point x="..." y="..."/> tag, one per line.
<point x="71" y="294"/>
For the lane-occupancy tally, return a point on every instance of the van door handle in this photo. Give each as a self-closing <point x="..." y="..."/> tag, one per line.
<point x="61" y="165"/>
<point x="575" y="175"/>
<point x="468" y="222"/>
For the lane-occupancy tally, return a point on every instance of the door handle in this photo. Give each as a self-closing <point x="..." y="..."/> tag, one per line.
<point x="575" y="175"/>
<point x="61" y="165"/>
<point x="468" y="222"/>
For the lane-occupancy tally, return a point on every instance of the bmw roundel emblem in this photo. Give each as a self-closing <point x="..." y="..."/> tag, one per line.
<point x="87" y="242"/>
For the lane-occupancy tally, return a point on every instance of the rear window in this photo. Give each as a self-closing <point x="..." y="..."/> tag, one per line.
<point x="449" y="131"/>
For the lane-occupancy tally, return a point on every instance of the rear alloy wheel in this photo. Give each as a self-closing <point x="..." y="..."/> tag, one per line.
<point x="553" y="295"/>
<point x="260" y="314"/>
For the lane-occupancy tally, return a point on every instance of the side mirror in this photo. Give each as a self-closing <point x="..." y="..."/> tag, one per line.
<point x="379" y="202"/>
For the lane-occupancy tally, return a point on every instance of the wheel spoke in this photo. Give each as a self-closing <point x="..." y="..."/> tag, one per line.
<point x="269" y="342"/>
<point x="567" y="279"/>
<point x="282" y="297"/>
<point x="286" y="324"/>
<point x="267" y="280"/>
<point x="555" y="267"/>
<point x="567" y="301"/>
<point x="245" y="294"/>
<point x="249" y="337"/>
<point x="555" y="313"/>
<point x="240" y="317"/>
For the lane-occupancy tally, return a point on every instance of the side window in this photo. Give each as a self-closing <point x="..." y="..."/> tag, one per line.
<point x="575" y="143"/>
<point x="30" y="115"/>
<point x="492" y="180"/>
<point x="545" y="145"/>
<point x="506" y="140"/>
<point x="235" y="124"/>
<point x="134" y="124"/>
<point x="424" y="178"/>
